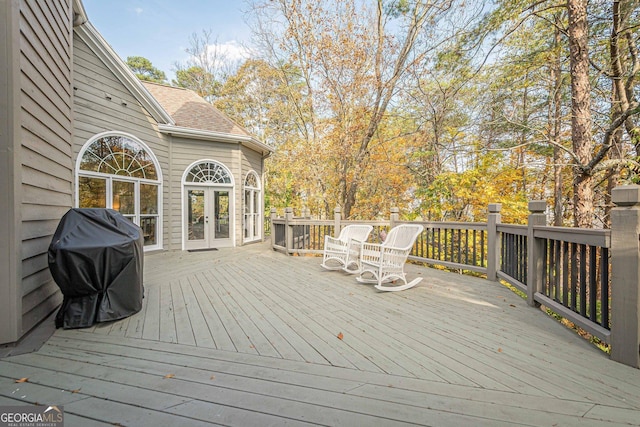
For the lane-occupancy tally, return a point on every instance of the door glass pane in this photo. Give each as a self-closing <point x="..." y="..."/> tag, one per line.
<point x="195" y="214"/>
<point x="124" y="197"/>
<point x="222" y="214"/>
<point x="247" y="214"/>
<point x="149" y="225"/>
<point x="148" y="199"/>
<point x="256" y="214"/>
<point x="92" y="192"/>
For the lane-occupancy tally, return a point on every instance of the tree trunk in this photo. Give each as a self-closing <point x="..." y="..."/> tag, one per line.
<point x="619" y="100"/>
<point x="556" y="122"/>
<point x="581" y="133"/>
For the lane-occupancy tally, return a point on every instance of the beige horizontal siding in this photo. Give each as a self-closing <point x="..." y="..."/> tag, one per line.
<point x="46" y="174"/>
<point x="94" y="84"/>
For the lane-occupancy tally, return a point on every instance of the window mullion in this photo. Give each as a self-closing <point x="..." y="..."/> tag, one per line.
<point x="109" y="192"/>
<point x="137" y="202"/>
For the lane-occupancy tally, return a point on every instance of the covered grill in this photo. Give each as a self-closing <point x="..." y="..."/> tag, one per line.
<point x="96" y="258"/>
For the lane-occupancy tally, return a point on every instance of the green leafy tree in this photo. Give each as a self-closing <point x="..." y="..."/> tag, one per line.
<point x="144" y="69"/>
<point x="197" y="79"/>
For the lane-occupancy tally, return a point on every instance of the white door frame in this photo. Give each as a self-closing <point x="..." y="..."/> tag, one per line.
<point x="216" y="230"/>
<point x="212" y="177"/>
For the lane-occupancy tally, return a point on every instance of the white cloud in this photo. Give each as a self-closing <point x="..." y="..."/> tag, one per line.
<point x="232" y="51"/>
<point x="138" y="10"/>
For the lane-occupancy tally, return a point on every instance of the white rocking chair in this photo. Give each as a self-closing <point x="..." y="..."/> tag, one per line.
<point x="384" y="263"/>
<point x="343" y="252"/>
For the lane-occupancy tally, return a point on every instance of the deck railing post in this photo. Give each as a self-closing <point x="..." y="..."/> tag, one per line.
<point x="288" y="229"/>
<point x="337" y="217"/>
<point x="535" y="250"/>
<point x="625" y="275"/>
<point x="493" y="241"/>
<point x="394" y="217"/>
<point x="273" y="215"/>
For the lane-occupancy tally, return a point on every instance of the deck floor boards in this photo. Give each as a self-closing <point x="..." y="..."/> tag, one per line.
<point x="247" y="336"/>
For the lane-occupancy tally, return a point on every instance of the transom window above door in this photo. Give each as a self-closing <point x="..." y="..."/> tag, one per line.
<point x="208" y="172"/>
<point x="118" y="171"/>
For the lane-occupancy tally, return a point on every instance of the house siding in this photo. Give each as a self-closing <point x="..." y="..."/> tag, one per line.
<point x="251" y="161"/>
<point x="103" y="104"/>
<point x="184" y="152"/>
<point x="44" y="168"/>
<point x="9" y="227"/>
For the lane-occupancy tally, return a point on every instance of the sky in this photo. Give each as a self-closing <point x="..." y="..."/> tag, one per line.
<point x="159" y="30"/>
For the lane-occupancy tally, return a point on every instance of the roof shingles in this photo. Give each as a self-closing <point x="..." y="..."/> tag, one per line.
<point x="189" y="110"/>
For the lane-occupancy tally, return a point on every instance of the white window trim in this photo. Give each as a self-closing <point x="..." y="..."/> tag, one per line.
<point x="158" y="180"/>
<point x="260" y="216"/>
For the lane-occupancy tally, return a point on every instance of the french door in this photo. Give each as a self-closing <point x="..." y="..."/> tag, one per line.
<point x="207" y="217"/>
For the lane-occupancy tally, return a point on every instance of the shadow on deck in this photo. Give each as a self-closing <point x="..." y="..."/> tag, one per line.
<point x="248" y="336"/>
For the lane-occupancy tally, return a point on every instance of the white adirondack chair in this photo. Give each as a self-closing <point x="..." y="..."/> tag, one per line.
<point x="342" y="253"/>
<point x="384" y="263"/>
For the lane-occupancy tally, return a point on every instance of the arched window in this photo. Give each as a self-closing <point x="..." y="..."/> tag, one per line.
<point x="209" y="173"/>
<point x="252" y="207"/>
<point x="118" y="171"/>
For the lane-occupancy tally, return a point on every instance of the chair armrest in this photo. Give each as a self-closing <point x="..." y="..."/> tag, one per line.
<point x="371" y="246"/>
<point x="333" y="240"/>
<point x="354" y="245"/>
<point x="370" y="252"/>
<point x="376" y="253"/>
<point x="395" y="256"/>
<point x="333" y="244"/>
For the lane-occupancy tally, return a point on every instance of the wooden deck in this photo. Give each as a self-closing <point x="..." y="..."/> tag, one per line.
<point x="250" y="337"/>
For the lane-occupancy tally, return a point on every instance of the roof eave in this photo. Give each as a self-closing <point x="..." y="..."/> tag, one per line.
<point x="88" y="33"/>
<point x="79" y="14"/>
<point x="208" y="135"/>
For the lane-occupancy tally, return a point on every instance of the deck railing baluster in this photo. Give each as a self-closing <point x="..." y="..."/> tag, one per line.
<point x="583" y="280"/>
<point x="604" y="291"/>
<point x="593" y="283"/>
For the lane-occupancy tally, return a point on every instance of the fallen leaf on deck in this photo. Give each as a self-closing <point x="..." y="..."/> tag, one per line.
<point x="213" y="377"/>
<point x="499" y="350"/>
<point x="169" y="376"/>
<point x="511" y="305"/>
<point x="76" y="390"/>
<point x="22" y="380"/>
<point x="340" y="336"/>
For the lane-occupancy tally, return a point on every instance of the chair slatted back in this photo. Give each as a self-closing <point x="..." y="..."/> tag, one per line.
<point x="402" y="236"/>
<point x="355" y="231"/>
